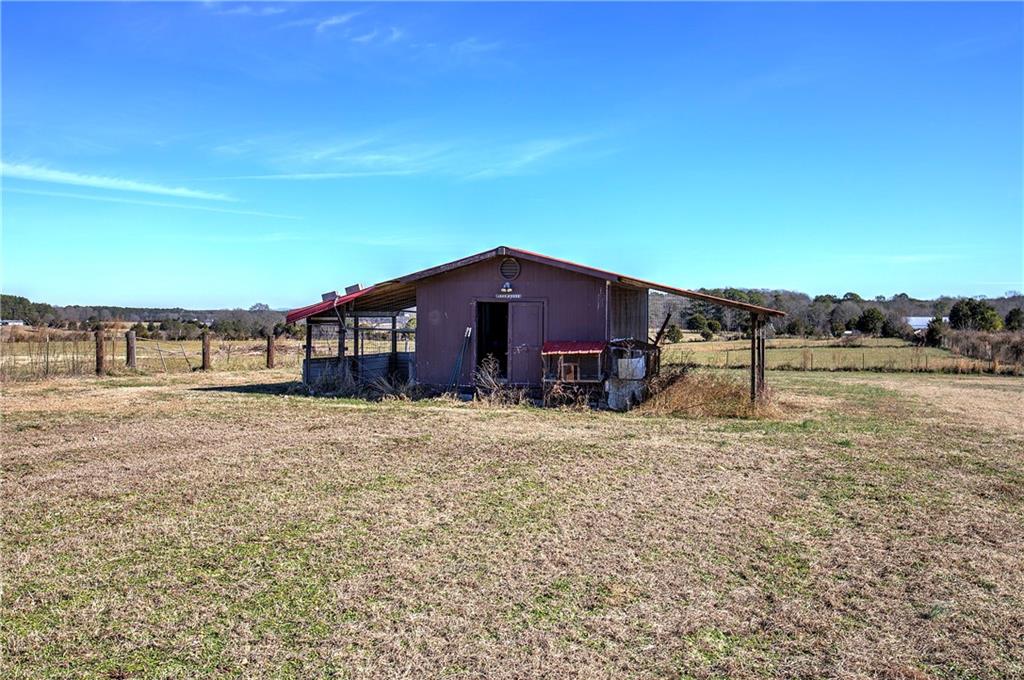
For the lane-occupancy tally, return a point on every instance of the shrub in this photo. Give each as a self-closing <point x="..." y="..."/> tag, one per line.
<point x="674" y="334"/>
<point x="796" y="326"/>
<point x="697" y="322"/>
<point x="871" y="321"/>
<point x="974" y="315"/>
<point x="706" y="334"/>
<point x="895" y="327"/>
<point x="1004" y="347"/>
<point x="936" y="331"/>
<point x="1014" y="319"/>
<point x="714" y="325"/>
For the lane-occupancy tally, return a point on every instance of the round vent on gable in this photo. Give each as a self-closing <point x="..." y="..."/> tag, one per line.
<point x="509" y="268"/>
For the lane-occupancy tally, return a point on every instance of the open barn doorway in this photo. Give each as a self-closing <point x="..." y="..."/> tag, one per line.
<point x="492" y="333"/>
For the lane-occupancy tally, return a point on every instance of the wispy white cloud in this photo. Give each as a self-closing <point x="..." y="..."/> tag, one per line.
<point x="337" y="20"/>
<point x="521" y="157"/>
<point x="386" y="155"/>
<point x="250" y="10"/>
<point x="366" y="37"/>
<point x="37" y="173"/>
<point x="474" y="45"/>
<point x="156" y="204"/>
<point x="317" y="175"/>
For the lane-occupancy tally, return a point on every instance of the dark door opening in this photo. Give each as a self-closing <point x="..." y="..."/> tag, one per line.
<point x="492" y="333"/>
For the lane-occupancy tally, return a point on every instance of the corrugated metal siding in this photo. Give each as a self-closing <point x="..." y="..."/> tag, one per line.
<point x="574" y="309"/>
<point x="628" y="313"/>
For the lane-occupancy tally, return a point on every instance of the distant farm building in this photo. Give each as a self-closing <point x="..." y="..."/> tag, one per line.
<point x="540" y="319"/>
<point x="920" y="323"/>
<point x="11" y="322"/>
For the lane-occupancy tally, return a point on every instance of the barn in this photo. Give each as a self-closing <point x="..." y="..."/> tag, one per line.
<point x="540" y="318"/>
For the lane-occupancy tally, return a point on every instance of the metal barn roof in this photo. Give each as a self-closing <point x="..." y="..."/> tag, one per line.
<point x="400" y="293"/>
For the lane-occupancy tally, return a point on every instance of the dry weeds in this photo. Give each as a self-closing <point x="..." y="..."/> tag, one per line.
<point x="698" y="393"/>
<point x="197" y="525"/>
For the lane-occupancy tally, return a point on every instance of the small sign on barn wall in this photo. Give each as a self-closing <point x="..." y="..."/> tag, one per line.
<point x="506" y="292"/>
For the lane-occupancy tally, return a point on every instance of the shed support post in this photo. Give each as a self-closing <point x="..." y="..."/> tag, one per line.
<point x="753" y="357"/>
<point x="309" y="351"/>
<point x="393" y="360"/>
<point x="206" y="351"/>
<point x="344" y="365"/>
<point x="270" y="350"/>
<point x="129" y="344"/>
<point x="763" y="360"/>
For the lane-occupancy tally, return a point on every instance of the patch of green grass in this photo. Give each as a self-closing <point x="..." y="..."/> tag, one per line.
<point x="707" y="648"/>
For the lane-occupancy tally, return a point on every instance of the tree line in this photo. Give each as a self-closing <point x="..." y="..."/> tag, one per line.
<point x="820" y="316"/>
<point x="174" y="323"/>
<point x="833" y="315"/>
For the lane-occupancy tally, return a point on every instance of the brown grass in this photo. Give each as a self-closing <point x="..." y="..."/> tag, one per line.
<point x="213" y="525"/>
<point x="707" y="393"/>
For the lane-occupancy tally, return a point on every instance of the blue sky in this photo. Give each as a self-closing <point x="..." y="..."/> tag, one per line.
<point x="211" y="155"/>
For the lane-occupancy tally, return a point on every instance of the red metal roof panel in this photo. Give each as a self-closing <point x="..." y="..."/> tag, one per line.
<point x="573" y="347"/>
<point x="314" y="309"/>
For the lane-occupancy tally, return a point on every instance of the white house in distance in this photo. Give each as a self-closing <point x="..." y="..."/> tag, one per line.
<point x="920" y="323"/>
<point x="11" y="322"/>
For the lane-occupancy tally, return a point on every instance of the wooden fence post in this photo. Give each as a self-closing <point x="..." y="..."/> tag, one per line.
<point x="206" y="351"/>
<point x="101" y="358"/>
<point x="270" y="350"/>
<point x="758" y="356"/>
<point x="129" y="349"/>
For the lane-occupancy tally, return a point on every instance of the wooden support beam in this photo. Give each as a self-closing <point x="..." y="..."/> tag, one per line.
<point x="341" y="335"/>
<point x="763" y="341"/>
<point x="309" y="351"/>
<point x="270" y="350"/>
<point x="753" y="356"/>
<point x="661" y="331"/>
<point x="393" y="359"/>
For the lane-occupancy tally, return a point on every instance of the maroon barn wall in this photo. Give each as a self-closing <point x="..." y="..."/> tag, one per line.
<point x="575" y="308"/>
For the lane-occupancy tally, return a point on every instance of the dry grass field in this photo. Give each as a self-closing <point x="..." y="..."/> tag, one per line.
<point x="189" y="525"/>
<point x="861" y="354"/>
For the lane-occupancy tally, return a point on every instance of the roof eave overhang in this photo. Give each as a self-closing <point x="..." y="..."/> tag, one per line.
<point x="396" y="291"/>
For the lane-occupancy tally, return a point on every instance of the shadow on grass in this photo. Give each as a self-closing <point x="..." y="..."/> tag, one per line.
<point x="288" y="387"/>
